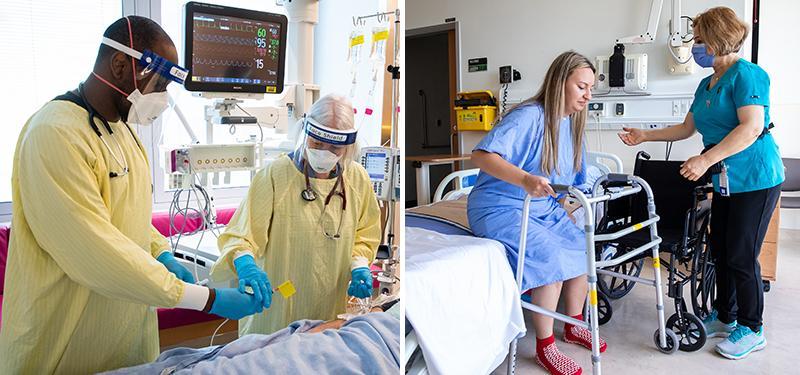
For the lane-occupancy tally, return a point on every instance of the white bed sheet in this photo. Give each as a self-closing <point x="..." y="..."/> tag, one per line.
<point x="462" y="300"/>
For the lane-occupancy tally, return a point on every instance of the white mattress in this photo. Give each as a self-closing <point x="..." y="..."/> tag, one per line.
<point x="462" y="300"/>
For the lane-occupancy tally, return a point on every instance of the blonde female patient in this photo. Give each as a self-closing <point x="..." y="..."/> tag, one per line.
<point x="534" y="144"/>
<point x="310" y="217"/>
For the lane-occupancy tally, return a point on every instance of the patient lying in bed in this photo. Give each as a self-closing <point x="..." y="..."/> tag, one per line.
<point x="367" y="344"/>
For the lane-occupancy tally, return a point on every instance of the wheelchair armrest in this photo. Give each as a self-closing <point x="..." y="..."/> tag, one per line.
<point x="701" y="192"/>
<point x="616" y="180"/>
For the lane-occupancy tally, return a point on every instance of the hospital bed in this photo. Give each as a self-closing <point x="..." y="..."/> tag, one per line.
<point x="422" y="221"/>
<point x="366" y="344"/>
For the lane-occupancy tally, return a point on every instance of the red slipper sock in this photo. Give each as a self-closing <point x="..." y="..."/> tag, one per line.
<point x="556" y="363"/>
<point x="581" y="336"/>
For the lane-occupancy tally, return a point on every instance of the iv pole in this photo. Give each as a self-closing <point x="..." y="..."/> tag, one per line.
<point x="394" y="69"/>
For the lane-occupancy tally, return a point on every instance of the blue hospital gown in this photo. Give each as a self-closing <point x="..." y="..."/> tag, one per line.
<point x="556" y="247"/>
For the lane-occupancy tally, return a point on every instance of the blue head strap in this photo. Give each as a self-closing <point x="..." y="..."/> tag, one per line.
<point x="162" y="66"/>
<point x="148" y="58"/>
<point x="325" y="134"/>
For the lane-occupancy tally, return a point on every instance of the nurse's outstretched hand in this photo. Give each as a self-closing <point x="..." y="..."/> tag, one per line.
<point x="230" y="303"/>
<point x="537" y="186"/>
<point x="632" y="136"/>
<point x="254" y="277"/>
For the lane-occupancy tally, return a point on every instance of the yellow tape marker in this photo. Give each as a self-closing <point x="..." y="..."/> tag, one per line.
<point x="380" y="35"/>
<point x="637" y="226"/>
<point x="656" y="263"/>
<point x="356" y="40"/>
<point x="286" y="289"/>
<point x="593" y="297"/>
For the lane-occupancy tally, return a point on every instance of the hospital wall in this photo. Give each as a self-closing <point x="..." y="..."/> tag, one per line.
<point x="529" y="34"/>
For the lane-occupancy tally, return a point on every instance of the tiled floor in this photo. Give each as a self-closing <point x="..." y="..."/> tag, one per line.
<point x="630" y="333"/>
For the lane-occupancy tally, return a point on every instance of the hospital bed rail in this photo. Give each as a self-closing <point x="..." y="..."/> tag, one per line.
<point x="666" y="340"/>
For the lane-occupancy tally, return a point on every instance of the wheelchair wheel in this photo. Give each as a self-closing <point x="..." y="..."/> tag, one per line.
<point x="672" y="342"/>
<point x="690" y="331"/>
<point x="604" y="310"/>
<point x="616" y="288"/>
<point x="703" y="278"/>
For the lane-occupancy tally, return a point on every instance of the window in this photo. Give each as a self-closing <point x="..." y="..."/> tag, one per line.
<point x="47" y="48"/>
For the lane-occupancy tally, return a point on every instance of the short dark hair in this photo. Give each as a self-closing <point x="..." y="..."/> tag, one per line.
<point x="146" y="34"/>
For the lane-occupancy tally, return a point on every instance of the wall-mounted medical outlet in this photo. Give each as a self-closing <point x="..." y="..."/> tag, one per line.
<point x="597" y="109"/>
<point x="508" y="74"/>
<point x="619" y="109"/>
<point x="681" y="107"/>
<point x="635" y="75"/>
<point x="681" y="62"/>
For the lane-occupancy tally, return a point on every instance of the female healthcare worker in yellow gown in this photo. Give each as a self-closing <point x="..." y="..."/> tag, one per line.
<point x="310" y="217"/>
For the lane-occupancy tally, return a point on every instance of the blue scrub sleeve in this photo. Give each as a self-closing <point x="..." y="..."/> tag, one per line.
<point x="511" y="138"/>
<point x="751" y="87"/>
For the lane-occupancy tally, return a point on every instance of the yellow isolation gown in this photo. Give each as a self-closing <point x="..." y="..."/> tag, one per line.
<point x="82" y="274"/>
<point x="283" y="232"/>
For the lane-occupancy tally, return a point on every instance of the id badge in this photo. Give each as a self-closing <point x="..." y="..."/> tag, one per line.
<point x="723" y="181"/>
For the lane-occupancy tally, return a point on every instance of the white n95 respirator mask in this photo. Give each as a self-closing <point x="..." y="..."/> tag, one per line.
<point x="321" y="161"/>
<point x="146" y="108"/>
<point x="157" y="71"/>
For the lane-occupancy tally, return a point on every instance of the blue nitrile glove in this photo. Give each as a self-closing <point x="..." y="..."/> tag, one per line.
<point x="252" y="276"/>
<point x="360" y="283"/>
<point x="176" y="268"/>
<point x="230" y="303"/>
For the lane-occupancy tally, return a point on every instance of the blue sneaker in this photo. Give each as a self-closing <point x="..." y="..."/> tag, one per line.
<point x="716" y="328"/>
<point x="741" y="342"/>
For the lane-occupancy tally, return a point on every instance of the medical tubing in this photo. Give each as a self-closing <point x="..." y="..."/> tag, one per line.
<point x="211" y="343"/>
<point x="203" y="212"/>
<point x="260" y="130"/>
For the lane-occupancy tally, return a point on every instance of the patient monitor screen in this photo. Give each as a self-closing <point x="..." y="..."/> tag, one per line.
<point x="231" y="49"/>
<point x="376" y="166"/>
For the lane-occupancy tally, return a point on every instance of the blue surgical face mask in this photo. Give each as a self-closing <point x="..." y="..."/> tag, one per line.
<point x="701" y="57"/>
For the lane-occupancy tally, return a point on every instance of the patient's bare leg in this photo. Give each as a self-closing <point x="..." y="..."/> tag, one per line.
<point x="547" y="297"/>
<point x="575" y="295"/>
<point x="335" y="324"/>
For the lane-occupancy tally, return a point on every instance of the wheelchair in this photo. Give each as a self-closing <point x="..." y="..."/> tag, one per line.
<point x="684" y="209"/>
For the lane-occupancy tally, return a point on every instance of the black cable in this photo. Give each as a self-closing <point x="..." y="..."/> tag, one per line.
<point x="257" y="123"/>
<point x="505" y="97"/>
<point x="384" y="229"/>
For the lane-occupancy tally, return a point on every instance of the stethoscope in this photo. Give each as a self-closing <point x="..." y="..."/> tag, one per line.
<point x="309" y="195"/>
<point x="122" y="162"/>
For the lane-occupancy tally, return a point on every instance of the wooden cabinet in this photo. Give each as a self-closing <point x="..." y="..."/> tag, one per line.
<point x="769" y="249"/>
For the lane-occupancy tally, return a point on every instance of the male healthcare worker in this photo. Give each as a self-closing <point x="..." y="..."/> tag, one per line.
<point x="85" y="266"/>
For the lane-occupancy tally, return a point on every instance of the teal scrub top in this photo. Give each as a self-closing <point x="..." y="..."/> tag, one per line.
<point x="759" y="166"/>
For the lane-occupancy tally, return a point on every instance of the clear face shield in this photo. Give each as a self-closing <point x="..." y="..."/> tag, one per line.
<point x="152" y="74"/>
<point x="321" y="148"/>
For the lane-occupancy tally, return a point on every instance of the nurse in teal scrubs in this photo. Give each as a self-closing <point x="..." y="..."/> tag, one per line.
<point x="731" y="113"/>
